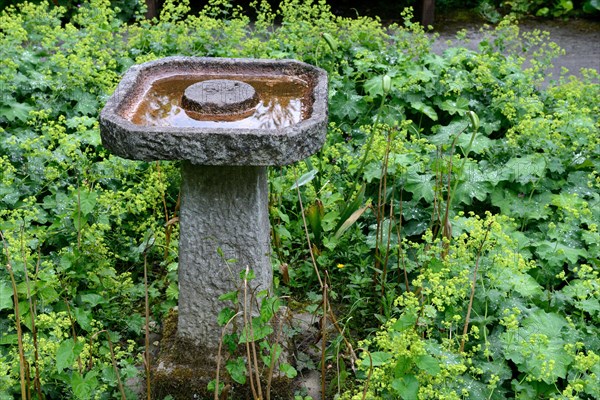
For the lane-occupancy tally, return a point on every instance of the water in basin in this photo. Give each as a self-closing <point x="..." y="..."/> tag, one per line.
<point x="282" y="102"/>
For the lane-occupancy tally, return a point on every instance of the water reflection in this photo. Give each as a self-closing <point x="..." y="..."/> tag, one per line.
<point x="282" y="102"/>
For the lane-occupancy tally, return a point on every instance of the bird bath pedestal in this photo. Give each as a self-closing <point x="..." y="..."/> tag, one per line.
<point x="226" y="120"/>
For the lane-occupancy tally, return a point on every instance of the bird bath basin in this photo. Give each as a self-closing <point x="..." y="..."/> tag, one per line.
<point x="227" y="120"/>
<point x="144" y="119"/>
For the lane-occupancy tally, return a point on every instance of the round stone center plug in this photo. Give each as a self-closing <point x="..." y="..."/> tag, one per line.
<point x="219" y="100"/>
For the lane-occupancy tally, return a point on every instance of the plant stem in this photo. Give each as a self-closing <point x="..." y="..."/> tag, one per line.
<point x="17" y="320"/>
<point x="470" y="307"/>
<point x="312" y="255"/>
<point x="216" y="397"/>
<point x="114" y="363"/>
<point x="247" y="330"/>
<point x="324" y="340"/>
<point x="32" y="313"/>
<point x="147" y="330"/>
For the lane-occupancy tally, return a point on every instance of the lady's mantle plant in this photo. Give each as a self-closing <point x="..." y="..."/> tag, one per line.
<point x="459" y="197"/>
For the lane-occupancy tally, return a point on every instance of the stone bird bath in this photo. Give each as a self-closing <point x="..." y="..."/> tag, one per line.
<point x="226" y="120"/>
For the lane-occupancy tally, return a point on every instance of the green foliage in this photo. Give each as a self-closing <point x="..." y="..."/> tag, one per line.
<point x="452" y="193"/>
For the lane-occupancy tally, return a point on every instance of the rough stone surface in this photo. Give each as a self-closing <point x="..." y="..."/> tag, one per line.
<point x="214" y="146"/>
<point x="219" y="96"/>
<point x="221" y="208"/>
<point x="224" y="195"/>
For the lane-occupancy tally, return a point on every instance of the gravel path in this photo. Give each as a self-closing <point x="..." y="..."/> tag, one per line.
<point x="580" y="38"/>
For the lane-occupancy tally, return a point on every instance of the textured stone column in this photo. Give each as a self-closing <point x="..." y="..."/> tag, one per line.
<point x="222" y="207"/>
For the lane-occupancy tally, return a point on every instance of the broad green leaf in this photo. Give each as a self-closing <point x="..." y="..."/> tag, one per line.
<point x="15" y="111"/>
<point x="407" y="387"/>
<point x="172" y="291"/>
<point x="520" y="282"/>
<point x="87" y="201"/>
<point x="557" y="254"/>
<point x="428" y="364"/>
<point x="9" y="339"/>
<point x="288" y="370"/>
<point x="520" y="205"/>
<point x="259" y="331"/>
<point x="66" y="354"/>
<point x="374" y="86"/>
<point x="407" y="320"/>
<point x="268" y="307"/>
<point x="473" y="184"/>
<point x="83" y="317"/>
<point x="136" y="322"/>
<point x="378" y="358"/>
<point x="6" y="294"/>
<point x="526" y="169"/>
<point x="420" y="73"/>
<point x="347" y="105"/>
<point x="237" y="370"/>
<point x="229" y="296"/>
<point x="420" y="185"/>
<point x="84" y="386"/>
<point x="459" y="106"/>
<point x="403" y="365"/>
<point x="446" y="134"/>
<point x="211" y="386"/>
<point x="538" y="347"/>
<point x="225" y="315"/>
<point x="92" y="299"/>
<point x="425" y="109"/>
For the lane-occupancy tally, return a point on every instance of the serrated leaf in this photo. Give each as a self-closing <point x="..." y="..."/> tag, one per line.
<point x="473" y="185"/>
<point x="538" y="348"/>
<point x="406" y="321"/>
<point x="519" y="205"/>
<point x="260" y="330"/>
<point x="91" y="299"/>
<point x="557" y="254"/>
<point x="288" y="370"/>
<point x="229" y="296"/>
<point x="6" y="294"/>
<point x="407" y="387"/>
<point x="420" y="185"/>
<point x="378" y="358"/>
<point x="84" y="386"/>
<point x="347" y="105"/>
<point x="425" y="109"/>
<point x="374" y="86"/>
<point x="520" y="282"/>
<point x="15" y="111"/>
<point x="526" y="169"/>
<point x="66" y="354"/>
<point x="237" y="370"/>
<point x="459" y="106"/>
<point x="447" y="133"/>
<point x="87" y="201"/>
<point x="172" y="291"/>
<point x="428" y="364"/>
<point x="84" y="318"/>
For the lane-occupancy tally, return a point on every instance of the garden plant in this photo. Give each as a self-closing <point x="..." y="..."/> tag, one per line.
<point x="448" y="230"/>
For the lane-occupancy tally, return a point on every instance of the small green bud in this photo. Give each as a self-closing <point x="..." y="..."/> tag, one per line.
<point x="386" y="83"/>
<point x="474" y="120"/>
<point x="330" y="41"/>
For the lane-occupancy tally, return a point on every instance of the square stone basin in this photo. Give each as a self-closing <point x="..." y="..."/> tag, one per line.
<point x="144" y="118"/>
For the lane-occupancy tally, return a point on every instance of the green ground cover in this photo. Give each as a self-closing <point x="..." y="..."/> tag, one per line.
<point x="453" y="213"/>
